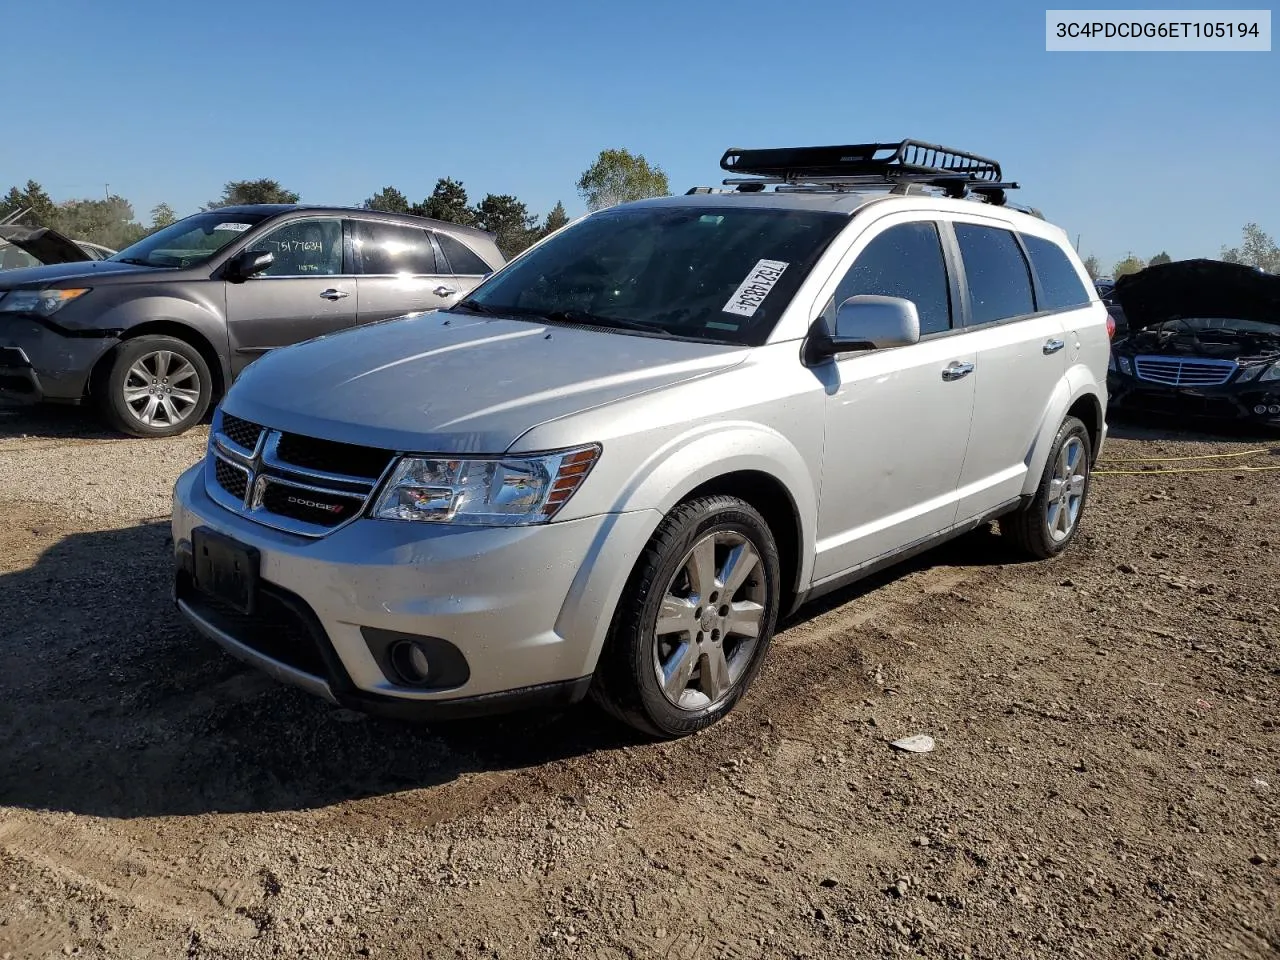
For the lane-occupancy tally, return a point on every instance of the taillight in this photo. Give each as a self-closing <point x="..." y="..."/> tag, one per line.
<point x="1111" y="327"/>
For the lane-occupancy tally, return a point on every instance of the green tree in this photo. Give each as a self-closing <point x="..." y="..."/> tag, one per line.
<point x="252" y="191"/>
<point x="509" y="220"/>
<point x="1258" y="249"/>
<point x="388" y="200"/>
<point x="448" y="202"/>
<point x="110" y="222"/>
<point x="1130" y="264"/>
<point x="556" y="219"/>
<point x="1161" y="257"/>
<point x="619" y="176"/>
<point x="162" y="215"/>
<point x="1092" y="267"/>
<point x="41" y="210"/>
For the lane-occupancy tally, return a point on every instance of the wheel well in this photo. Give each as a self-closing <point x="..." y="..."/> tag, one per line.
<point x="774" y="503"/>
<point x="1089" y="412"/>
<point x="168" y="328"/>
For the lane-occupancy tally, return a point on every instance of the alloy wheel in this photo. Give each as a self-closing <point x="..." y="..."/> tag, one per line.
<point x="1066" y="489"/>
<point x="162" y="389"/>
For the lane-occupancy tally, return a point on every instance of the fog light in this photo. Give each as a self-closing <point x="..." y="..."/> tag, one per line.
<point x="410" y="661"/>
<point x="1274" y="409"/>
<point x="1260" y="409"/>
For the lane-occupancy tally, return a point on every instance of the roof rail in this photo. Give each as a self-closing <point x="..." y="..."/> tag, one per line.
<point x="862" y="165"/>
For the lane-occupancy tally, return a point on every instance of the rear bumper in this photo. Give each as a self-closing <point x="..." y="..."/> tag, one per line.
<point x="38" y="363"/>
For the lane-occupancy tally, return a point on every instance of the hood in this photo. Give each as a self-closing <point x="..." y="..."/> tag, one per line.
<point x="46" y="245"/>
<point x="449" y="383"/>
<point x="62" y="273"/>
<point x="1198" y="288"/>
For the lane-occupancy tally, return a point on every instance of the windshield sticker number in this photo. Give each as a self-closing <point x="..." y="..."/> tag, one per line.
<point x="747" y="298"/>
<point x="233" y="227"/>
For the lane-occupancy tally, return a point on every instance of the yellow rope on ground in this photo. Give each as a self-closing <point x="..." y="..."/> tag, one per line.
<point x="1160" y="473"/>
<point x="1202" y="456"/>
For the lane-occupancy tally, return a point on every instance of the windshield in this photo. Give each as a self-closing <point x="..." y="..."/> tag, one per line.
<point x="709" y="273"/>
<point x="189" y="241"/>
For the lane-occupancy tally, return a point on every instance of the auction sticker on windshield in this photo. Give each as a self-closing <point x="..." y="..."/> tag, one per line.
<point x="747" y="298"/>
<point x="234" y="227"/>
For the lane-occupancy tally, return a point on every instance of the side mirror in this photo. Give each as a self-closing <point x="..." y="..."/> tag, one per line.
<point x="868" y="323"/>
<point x="248" y="263"/>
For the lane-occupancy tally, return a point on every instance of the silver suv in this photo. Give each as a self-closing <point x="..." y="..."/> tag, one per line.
<point x="614" y="465"/>
<point x="152" y="335"/>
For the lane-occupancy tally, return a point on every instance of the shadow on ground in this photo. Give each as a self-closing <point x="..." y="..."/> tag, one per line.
<point x="111" y="706"/>
<point x="1135" y="426"/>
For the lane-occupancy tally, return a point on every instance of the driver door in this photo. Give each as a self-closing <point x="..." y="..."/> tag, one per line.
<point x="897" y="419"/>
<point x="308" y="291"/>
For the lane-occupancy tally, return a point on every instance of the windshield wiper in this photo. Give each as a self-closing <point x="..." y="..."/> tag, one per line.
<point x="475" y="306"/>
<point x="135" y="261"/>
<point x="596" y="320"/>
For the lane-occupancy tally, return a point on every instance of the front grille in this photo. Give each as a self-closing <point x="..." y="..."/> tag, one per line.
<point x="231" y="479"/>
<point x="324" y="509"/>
<point x="240" y="432"/>
<point x="1184" y="371"/>
<point x="273" y="630"/>
<point x="291" y="482"/>
<point x="332" y="457"/>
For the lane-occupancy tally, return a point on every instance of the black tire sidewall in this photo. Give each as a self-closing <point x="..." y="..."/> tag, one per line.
<point x="718" y="514"/>
<point x="1071" y="427"/>
<point x="112" y="403"/>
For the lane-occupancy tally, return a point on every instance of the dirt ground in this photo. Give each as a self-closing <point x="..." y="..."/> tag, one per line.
<point x="1105" y="782"/>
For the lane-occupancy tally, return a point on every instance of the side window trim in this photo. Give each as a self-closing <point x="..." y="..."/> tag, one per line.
<point x="1037" y="292"/>
<point x="442" y="262"/>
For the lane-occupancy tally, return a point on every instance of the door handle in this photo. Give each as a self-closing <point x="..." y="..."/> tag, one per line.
<point x="332" y="294"/>
<point x="443" y="291"/>
<point x="1054" y="345"/>
<point x="955" y="370"/>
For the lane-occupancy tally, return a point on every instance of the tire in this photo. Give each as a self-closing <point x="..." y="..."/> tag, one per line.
<point x="1037" y="528"/>
<point x="173" y="369"/>
<point x="704" y="684"/>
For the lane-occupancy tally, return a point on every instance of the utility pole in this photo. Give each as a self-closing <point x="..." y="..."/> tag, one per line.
<point x="106" y="189"/>
<point x="1077" y="243"/>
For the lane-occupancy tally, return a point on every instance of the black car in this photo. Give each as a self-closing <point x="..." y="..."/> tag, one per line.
<point x="1203" y="340"/>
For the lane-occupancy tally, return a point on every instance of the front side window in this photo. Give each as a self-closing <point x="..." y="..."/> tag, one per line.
<point x="997" y="274"/>
<point x="1060" y="285"/>
<point x="391" y="248"/>
<point x="905" y="261"/>
<point x="719" y="273"/>
<point x="303" y="248"/>
<point x="190" y="241"/>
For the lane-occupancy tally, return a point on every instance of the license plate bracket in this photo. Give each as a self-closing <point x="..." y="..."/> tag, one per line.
<point x="225" y="569"/>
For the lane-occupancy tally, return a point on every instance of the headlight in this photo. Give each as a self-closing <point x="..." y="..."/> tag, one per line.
<point x="497" y="491"/>
<point x="1125" y="366"/>
<point x="1273" y="373"/>
<point x="42" y="303"/>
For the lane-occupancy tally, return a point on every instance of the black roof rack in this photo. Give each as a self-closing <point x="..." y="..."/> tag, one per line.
<point x="956" y="172"/>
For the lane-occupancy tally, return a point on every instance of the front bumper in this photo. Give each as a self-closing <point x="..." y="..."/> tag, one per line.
<point x="523" y="606"/>
<point x="1227" y="402"/>
<point x="38" y="363"/>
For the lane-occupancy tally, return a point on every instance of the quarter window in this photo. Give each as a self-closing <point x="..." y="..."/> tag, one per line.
<point x="391" y="248"/>
<point x="303" y="248"/>
<point x="997" y="274"/>
<point x="905" y="261"/>
<point x="461" y="260"/>
<point x="1060" y="285"/>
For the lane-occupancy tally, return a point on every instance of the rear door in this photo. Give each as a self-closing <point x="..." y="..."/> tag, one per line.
<point x="465" y="267"/>
<point x="306" y="292"/>
<point x="1021" y="356"/>
<point x="399" y="271"/>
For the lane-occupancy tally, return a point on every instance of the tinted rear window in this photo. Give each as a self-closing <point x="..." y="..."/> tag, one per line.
<point x="461" y="259"/>
<point x="996" y="272"/>
<point x="1060" y="285"/>
<point x="390" y="248"/>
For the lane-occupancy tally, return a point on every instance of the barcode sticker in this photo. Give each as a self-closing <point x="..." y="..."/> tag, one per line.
<point x="747" y="298"/>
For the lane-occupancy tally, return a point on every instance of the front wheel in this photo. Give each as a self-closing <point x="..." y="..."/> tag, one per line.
<point x="156" y="387"/>
<point x="695" y="620"/>
<point x="1043" y="527"/>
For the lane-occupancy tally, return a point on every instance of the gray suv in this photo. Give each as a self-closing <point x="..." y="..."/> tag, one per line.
<point x="154" y="334"/>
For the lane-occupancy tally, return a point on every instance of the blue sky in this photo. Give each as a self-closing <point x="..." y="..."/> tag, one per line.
<point x="167" y="101"/>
